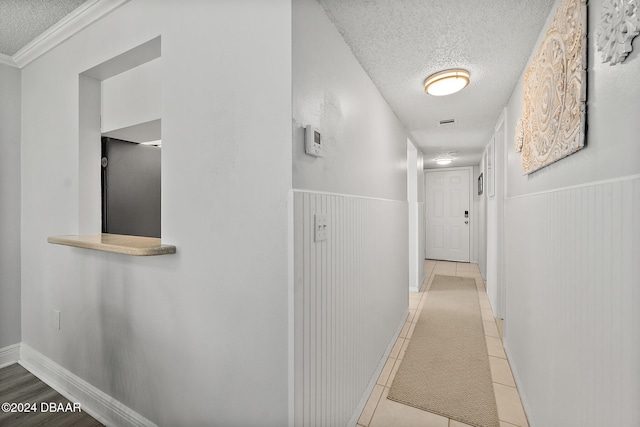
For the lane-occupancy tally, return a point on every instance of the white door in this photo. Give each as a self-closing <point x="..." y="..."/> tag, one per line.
<point x="448" y="215"/>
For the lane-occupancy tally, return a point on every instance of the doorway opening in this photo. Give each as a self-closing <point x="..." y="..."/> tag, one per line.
<point x="448" y="215"/>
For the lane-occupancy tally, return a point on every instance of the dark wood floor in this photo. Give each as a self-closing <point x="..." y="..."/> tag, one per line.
<point x="17" y="385"/>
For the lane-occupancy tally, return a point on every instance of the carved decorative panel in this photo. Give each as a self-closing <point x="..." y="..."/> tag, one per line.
<point x="619" y="24"/>
<point x="555" y="87"/>
<point x="519" y="136"/>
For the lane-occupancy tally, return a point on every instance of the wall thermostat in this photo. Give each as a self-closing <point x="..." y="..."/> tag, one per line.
<point x="313" y="142"/>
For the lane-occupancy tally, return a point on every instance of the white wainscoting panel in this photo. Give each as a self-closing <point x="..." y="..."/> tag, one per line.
<point x="350" y="296"/>
<point x="416" y="245"/>
<point x="421" y="242"/>
<point x="572" y="330"/>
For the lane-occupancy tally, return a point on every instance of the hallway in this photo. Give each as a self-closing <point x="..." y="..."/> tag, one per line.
<point x="295" y="139"/>
<point x="381" y="412"/>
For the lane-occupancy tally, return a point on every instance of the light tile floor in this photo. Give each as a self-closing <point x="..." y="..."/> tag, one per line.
<point x="382" y="412"/>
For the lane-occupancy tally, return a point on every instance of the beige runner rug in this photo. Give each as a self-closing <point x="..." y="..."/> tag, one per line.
<point x="445" y="369"/>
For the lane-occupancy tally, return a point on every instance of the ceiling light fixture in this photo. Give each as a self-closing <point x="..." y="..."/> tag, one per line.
<point x="446" y="82"/>
<point x="443" y="160"/>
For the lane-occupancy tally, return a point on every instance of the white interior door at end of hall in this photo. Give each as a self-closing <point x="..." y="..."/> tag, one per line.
<point x="447" y="197"/>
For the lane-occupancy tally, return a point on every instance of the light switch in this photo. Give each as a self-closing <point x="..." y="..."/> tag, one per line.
<point x="320" y="233"/>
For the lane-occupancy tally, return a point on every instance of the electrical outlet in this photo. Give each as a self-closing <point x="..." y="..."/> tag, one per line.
<point x="320" y="230"/>
<point x="56" y="319"/>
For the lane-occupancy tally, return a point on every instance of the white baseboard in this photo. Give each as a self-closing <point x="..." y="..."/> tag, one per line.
<point x="516" y="378"/>
<point x="9" y="355"/>
<point x="420" y="283"/>
<point x="96" y="403"/>
<point x="374" y="378"/>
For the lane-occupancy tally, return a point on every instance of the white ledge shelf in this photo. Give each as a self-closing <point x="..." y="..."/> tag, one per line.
<point x="117" y="243"/>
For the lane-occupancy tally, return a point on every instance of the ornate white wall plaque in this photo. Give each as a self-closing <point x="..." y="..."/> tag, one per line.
<point x="619" y="24"/>
<point x="555" y="88"/>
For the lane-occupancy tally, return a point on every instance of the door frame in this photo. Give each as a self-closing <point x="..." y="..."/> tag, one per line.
<point x="496" y="283"/>
<point x="472" y="213"/>
<point x="501" y="158"/>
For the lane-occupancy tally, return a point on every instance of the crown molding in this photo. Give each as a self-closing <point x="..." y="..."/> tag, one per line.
<point x="7" y="60"/>
<point x="76" y="21"/>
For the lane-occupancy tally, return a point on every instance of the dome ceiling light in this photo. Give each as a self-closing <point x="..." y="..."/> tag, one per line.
<point x="443" y="160"/>
<point x="446" y="82"/>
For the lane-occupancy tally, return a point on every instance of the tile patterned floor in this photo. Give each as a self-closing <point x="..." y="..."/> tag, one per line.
<point x="382" y="412"/>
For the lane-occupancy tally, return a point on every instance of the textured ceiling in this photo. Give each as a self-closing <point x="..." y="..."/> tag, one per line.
<point x="21" y="21"/>
<point x="401" y="42"/>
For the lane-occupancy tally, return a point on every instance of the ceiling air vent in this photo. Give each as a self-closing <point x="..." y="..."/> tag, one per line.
<point x="447" y="122"/>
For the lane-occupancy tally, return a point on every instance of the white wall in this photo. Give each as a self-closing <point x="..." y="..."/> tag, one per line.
<point x="200" y="337"/>
<point x="481" y="217"/>
<point x="365" y="144"/>
<point x="492" y="241"/>
<point x="132" y="97"/>
<point x="9" y="206"/>
<point x="421" y="215"/>
<point x="351" y="292"/>
<point x="475" y="210"/>
<point x="415" y="198"/>
<point x="612" y="133"/>
<point x="495" y="221"/>
<point x="572" y="330"/>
